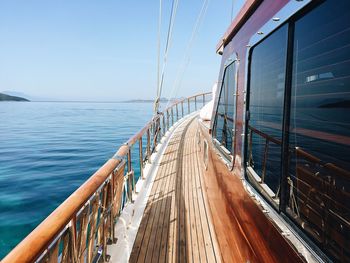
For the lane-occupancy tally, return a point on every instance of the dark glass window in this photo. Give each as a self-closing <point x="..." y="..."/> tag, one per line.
<point x="225" y="116"/>
<point x="319" y="137"/>
<point x="267" y="83"/>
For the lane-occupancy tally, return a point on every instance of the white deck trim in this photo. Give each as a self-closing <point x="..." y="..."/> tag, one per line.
<point x="131" y="216"/>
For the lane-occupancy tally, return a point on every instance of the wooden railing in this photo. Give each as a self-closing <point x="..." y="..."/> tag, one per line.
<point x="80" y="229"/>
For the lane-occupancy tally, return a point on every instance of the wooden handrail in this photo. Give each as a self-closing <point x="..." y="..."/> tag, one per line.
<point x="39" y="240"/>
<point x="185" y="99"/>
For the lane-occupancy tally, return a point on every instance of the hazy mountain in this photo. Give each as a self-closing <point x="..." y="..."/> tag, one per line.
<point x="5" y="97"/>
<point x="23" y="95"/>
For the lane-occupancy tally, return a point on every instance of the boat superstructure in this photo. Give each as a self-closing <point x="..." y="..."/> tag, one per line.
<point x="264" y="179"/>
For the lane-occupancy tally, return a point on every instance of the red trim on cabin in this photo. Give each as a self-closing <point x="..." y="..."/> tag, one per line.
<point x="246" y="11"/>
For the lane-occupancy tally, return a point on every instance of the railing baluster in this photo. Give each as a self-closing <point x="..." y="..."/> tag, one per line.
<point x="129" y="159"/>
<point x="118" y="176"/>
<point x="68" y="252"/>
<point x="195" y="102"/>
<point x="148" y="146"/>
<point x="53" y="253"/>
<point x="163" y="120"/>
<point x="111" y="217"/>
<point x="65" y="257"/>
<point x="182" y="108"/>
<point x="101" y="221"/>
<point x="188" y="106"/>
<point x="177" y="113"/>
<point x="155" y="142"/>
<point x="131" y="178"/>
<point x="266" y="150"/>
<point x="141" y="157"/>
<point x="203" y="99"/>
<point x="81" y="236"/>
<point x="105" y="233"/>
<point x="159" y="130"/>
<point x="172" y="116"/>
<point x="156" y="134"/>
<point x="93" y="220"/>
<point x="167" y="119"/>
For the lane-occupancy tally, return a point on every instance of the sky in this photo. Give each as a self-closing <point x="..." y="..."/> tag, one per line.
<point x="89" y="50"/>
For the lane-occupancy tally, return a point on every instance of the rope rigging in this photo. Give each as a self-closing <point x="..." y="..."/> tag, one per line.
<point x="158" y="51"/>
<point x="187" y="55"/>
<point x="160" y="77"/>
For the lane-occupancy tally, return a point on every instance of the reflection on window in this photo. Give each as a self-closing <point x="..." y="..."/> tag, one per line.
<point x="268" y="67"/>
<point x="224" y="123"/>
<point x="320" y="127"/>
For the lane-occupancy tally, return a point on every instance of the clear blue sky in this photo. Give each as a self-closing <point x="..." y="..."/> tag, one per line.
<point x="104" y="50"/>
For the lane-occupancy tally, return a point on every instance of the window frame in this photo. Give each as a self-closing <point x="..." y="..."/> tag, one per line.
<point x="228" y="155"/>
<point x="249" y="173"/>
<point x="286" y="16"/>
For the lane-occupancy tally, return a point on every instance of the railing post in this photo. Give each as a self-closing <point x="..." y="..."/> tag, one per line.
<point x="148" y="146"/>
<point x="177" y="113"/>
<point x="155" y="136"/>
<point x="131" y="180"/>
<point x="153" y="128"/>
<point x="159" y="130"/>
<point x="92" y="233"/>
<point x="182" y="108"/>
<point x="172" y="116"/>
<point x="141" y="157"/>
<point x="188" y="105"/>
<point x="167" y="119"/>
<point x="266" y="150"/>
<point x="195" y="102"/>
<point x="203" y="99"/>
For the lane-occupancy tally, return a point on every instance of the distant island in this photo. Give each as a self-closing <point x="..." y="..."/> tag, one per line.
<point x="5" y="97"/>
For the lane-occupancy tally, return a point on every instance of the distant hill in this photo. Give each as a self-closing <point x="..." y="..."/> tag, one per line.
<point x="5" y="97"/>
<point x="27" y="96"/>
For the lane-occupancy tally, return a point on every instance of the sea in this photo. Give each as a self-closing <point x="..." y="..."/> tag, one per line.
<point x="48" y="149"/>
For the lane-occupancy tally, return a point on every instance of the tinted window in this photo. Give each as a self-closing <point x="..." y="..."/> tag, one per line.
<point x="226" y="111"/>
<point x="267" y="82"/>
<point x="320" y="127"/>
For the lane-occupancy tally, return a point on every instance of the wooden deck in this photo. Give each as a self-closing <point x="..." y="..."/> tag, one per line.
<point x="176" y="224"/>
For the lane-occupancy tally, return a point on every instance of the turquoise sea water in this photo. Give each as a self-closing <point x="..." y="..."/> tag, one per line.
<point x="48" y="149"/>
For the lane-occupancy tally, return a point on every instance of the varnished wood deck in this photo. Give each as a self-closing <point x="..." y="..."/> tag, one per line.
<point x="176" y="224"/>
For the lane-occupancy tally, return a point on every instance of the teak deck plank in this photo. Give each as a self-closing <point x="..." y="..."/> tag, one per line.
<point x="188" y="209"/>
<point x="176" y="224"/>
<point x="163" y="220"/>
<point x="147" y="220"/>
<point x="193" y="230"/>
<point x="208" y="230"/>
<point x="207" y="244"/>
<point x="196" y="200"/>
